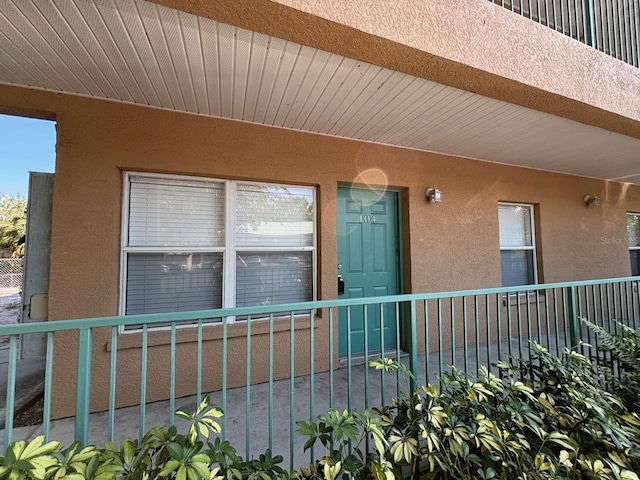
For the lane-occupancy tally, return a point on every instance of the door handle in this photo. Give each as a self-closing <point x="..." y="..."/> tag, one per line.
<point x="340" y="285"/>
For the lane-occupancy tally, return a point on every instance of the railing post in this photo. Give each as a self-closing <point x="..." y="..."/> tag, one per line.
<point x="83" y="386"/>
<point x="413" y="360"/>
<point x="573" y="317"/>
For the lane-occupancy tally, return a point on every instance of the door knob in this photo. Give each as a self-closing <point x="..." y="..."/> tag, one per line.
<point x="340" y="285"/>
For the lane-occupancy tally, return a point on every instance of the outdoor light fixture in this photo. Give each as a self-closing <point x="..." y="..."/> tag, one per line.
<point x="433" y="195"/>
<point x="591" y="201"/>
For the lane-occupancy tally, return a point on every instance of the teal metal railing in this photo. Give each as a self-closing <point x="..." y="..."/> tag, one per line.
<point x="611" y="26"/>
<point x="270" y="366"/>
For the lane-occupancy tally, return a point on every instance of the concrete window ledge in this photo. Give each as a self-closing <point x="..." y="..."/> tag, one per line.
<point x="523" y="299"/>
<point x="212" y="332"/>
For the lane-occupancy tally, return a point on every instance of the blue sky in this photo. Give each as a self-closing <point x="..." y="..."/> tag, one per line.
<point x="26" y="145"/>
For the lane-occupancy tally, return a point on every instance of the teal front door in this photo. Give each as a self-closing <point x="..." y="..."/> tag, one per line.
<point x="368" y="254"/>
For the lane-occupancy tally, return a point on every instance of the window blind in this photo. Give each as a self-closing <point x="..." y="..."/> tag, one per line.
<point x="185" y="214"/>
<point x="274" y="216"/>
<point x="515" y="226"/>
<point x="269" y="278"/>
<point x="173" y="282"/>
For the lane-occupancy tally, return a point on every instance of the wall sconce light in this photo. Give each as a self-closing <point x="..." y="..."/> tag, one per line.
<point x="591" y="201"/>
<point x="433" y="195"/>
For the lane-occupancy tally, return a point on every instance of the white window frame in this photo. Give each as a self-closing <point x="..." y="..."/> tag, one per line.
<point x="229" y="250"/>
<point x="637" y="215"/>
<point x="531" y="247"/>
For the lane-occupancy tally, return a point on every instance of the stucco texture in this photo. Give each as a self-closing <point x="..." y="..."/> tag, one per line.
<point x="448" y="246"/>
<point x="474" y="45"/>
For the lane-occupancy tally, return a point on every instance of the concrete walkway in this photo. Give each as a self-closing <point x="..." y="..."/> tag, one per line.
<point x="250" y="433"/>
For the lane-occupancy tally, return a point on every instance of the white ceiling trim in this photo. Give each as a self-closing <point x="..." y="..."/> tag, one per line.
<point x="137" y="52"/>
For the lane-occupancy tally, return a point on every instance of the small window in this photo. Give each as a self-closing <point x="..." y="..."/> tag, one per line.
<point x="517" y="245"/>
<point x="633" y="234"/>
<point x="199" y="244"/>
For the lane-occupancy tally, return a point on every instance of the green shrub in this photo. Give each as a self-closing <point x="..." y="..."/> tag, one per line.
<point x="620" y="364"/>
<point x="163" y="453"/>
<point x="560" y="424"/>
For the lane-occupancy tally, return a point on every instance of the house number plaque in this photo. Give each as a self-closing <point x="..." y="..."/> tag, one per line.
<point x="367" y="218"/>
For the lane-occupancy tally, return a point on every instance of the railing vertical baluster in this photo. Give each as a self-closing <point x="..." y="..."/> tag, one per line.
<point x="529" y="327"/>
<point x="398" y="349"/>
<point x="349" y="377"/>
<point x="382" y="349"/>
<point x="143" y="380"/>
<point x="225" y="365"/>
<point x="465" y="338"/>
<point x="83" y="386"/>
<point x="11" y="391"/>
<point x="573" y="316"/>
<point x="413" y="364"/>
<point x="312" y="372"/>
<point x="562" y="16"/>
<point x="554" y="13"/>
<point x="634" y="310"/>
<point x="595" y="315"/>
<point x="614" y="29"/>
<point x="172" y="375"/>
<point x="519" y="318"/>
<point x="507" y="298"/>
<point x="366" y="355"/>
<point x="627" y="32"/>
<point x="566" y="317"/>
<point x="538" y="322"/>
<point x="199" y="362"/>
<point x="635" y="38"/>
<point x="382" y="352"/>
<point x="292" y="397"/>
<point x="427" y="372"/>
<point x="628" y="297"/>
<point x="330" y="357"/>
<point x="453" y="331"/>
<point x="487" y="319"/>
<point x="586" y="315"/>
<point x="621" y="316"/>
<point x="48" y="379"/>
<point x="546" y="317"/>
<point x="477" y="326"/>
<point x="112" y="384"/>
<point x="271" y="376"/>
<point x="555" y="319"/>
<point x="499" y="325"/>
<point x="440" y="359"/>
<point x="577" y="322"/>
<point x="247" y="397"/>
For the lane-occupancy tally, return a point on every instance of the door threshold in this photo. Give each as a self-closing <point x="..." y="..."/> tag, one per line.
<point x="360" y="358"/>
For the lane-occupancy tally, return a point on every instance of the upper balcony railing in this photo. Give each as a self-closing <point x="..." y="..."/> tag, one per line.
<point x="611" y="26"/>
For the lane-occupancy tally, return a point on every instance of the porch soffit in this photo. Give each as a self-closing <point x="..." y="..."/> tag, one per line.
<point x="146" y="54"/>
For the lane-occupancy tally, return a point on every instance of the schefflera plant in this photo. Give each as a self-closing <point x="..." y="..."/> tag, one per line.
<point x="163" y="453"/>
<point x="547" y="418"/>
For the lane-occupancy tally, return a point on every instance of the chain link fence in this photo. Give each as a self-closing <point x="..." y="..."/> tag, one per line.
<point x="10" y="272"/>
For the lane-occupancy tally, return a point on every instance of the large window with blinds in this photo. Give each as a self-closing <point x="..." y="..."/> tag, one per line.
<point x="517" y="244"/>
<point x="633" y="234"/>
<point x="197" y="244"/>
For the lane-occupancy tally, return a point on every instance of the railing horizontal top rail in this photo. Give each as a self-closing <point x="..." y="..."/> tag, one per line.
<point x="224" y="313"/>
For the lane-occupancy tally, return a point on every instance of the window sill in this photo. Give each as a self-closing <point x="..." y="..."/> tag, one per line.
<point x="209" y="333"/>
<point x="522" y="299"/>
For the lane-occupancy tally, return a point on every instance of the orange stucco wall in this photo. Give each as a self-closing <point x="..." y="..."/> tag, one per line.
<point x="452" y="245"/>
<point x="474" y="45"/>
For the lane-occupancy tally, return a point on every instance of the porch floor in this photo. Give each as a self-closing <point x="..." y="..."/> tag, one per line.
<point x="249" y="433"/>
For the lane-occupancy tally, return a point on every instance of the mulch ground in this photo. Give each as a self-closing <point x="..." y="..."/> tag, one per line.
<point x="31" y="415"/>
